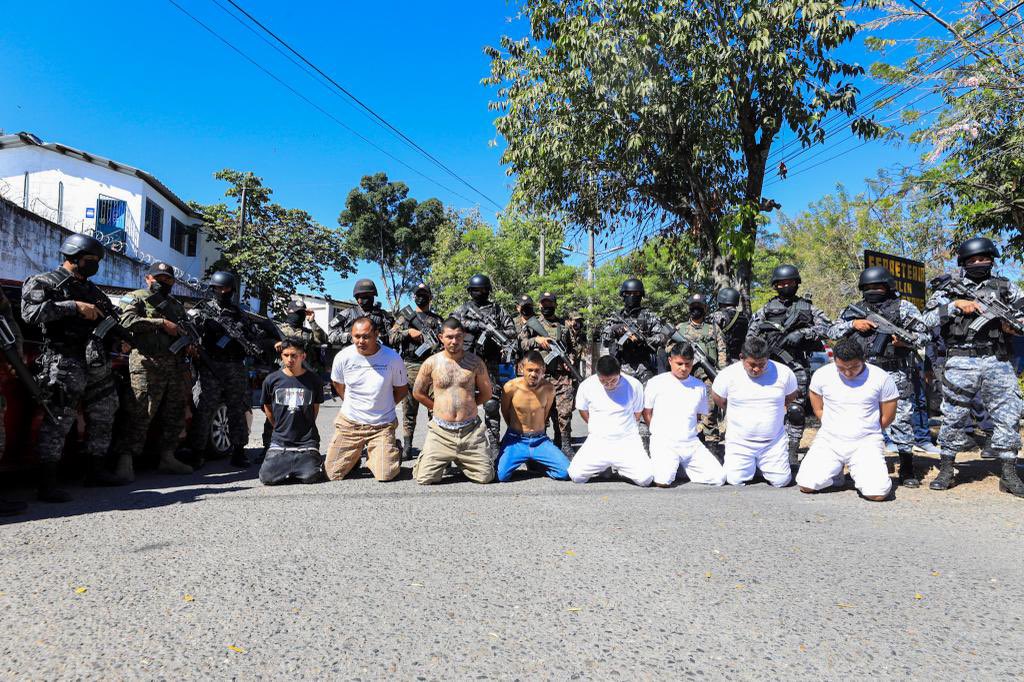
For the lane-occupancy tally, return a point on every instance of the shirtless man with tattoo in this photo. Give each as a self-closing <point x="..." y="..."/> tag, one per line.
<point x="525" y="404"/>
<point x="456" y="434"/>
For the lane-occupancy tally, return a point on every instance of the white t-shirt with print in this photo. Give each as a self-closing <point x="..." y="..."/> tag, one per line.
<point x="757" y="407"/>
<point x="369" y="382"/>
<point x="676" y="403"/>
<point x="852" y="406"/>
<point x="612" y="414"/>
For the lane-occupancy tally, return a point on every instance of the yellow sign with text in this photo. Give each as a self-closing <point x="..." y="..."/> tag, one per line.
<point x="909" y="275"/>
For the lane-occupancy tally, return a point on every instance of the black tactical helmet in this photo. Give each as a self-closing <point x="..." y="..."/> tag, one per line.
<point x="632" y="286"/>
<point x="979" y="246"/>
<point x="728" y="296"/>
<point x="364" y="286"/>
<point x="785" y="272"/>
<point x="698" y="299"/>
<point x="81" y="244"/>
<point x="479" y="282"/>
<point x="223" y="279"/>
<point x="876" y="274"/>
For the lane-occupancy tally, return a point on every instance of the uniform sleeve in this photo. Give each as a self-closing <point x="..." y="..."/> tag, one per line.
<point x="133" y="315"/>
<point x="937" y="307"/>
<point x="655" y="334"/>
<point x="755" y="323"/>
<point x="888" y="390"/>
<point x="37" y="308"/>
<point x="338" y="333"/>
<point x="527" y="341"/>
<point x="820" y="325"/>
<point x="1014" y="295"/>
<point x="399" y="375"/>
<point x="912" y="320"/>
<point x="720" y="344"/>
<point x="841" y="327"/>
<point x="319" y="335"/>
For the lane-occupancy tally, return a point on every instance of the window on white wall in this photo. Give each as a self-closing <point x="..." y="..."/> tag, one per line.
<point x="154" y="220"/>
<point x="178" y="235"/>
<point x="193" y="242"/>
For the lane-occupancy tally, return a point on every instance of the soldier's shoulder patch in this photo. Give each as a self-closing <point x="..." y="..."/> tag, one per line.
<point x="36" y="296"/>
<point x="127" y="299"/>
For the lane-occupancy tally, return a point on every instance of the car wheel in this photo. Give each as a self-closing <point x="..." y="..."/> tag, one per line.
<point x="220" y="436"/>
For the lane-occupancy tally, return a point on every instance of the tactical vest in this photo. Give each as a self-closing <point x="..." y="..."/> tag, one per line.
<point x="72" y="331"/>
<point x="635" y="353"/>
<point x="557" y="330"/>
<point x="346" y="318"/>
<point x="217" y="344"/>
<point x="955" y="328"/>
<point x="892" y="354"/>
<point x="430" y="320"/>
<point x="734" y="324"/>
<point x="154" y="342"/>
<point x="702" y="336"/>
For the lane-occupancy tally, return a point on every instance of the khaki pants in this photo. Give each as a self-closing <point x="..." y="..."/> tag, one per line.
<point x="467" y="448"/>
<point x="383" y="458"/>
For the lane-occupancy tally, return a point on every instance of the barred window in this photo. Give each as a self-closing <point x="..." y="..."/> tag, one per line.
<point x="154" y="222"/>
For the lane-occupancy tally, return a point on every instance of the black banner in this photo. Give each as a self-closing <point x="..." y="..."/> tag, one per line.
<point x="909" y="275"/>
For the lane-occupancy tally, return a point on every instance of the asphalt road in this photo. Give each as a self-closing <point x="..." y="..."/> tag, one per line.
<point x="214" y="576"/>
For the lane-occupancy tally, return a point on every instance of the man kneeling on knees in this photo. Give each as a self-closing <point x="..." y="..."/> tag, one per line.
<point x="456" y="434"/>
<point x="757" y="392"/>
<point x="854" y="401"/>
<point x="291" y="402"/>
<point x="673" y="402"/>
<point x="525" y="404"/>
<point x="611" y="403"/>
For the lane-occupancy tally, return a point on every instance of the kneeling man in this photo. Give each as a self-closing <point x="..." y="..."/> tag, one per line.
<point x="611" y="403"/>
<point x="756" y="392"/>
<point x="291" y="402"/>
<point x="525" y="404"/>
<point x="854" y="401"/>
<point x="456" y="434"/>
<point x="673" y="402"/>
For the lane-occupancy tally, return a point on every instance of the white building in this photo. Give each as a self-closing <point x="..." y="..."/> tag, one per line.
<point x="126" y="208"/>
<point x="324" y="309"/>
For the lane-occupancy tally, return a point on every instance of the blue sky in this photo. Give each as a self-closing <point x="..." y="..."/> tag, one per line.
<point x="143" y="84"/>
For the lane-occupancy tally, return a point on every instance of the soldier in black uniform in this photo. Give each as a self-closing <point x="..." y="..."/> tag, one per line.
<point x="365" y="293"/>
<point x="75" y="362"/>
<point x="794" y="328"/>
<point x="475" y="315"/>
<point x="637" y="353"/>
<point x="410" y="340"/>
<point x="733" y="321"/>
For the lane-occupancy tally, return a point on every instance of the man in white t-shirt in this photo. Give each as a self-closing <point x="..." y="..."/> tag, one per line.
<point x="854" y="401"/>
<point x="673" y="401"/>
<point x="611" y="403"/>
<point x="370" y="379"/>
<point x="756" y="392"/>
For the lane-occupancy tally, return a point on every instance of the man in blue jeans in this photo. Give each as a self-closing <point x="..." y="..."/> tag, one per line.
<point x="525" y="404"/>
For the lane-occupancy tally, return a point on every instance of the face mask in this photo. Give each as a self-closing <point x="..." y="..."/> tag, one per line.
<point x="632" y="300"/>
<point x="526" y="311"/>
<point x="225" y="298"/>
<point x="422" y="301"/>
<point x="548" y="311"/>
<point x="295" y="319"/>
<point x="365" y="302"/>
<point x="876" y="296"/>
<point x="696" y="314"/>
<point x="87" y="268"/>
<point x="788" y="291"/>
<point x="161" y="288"/>
<point x="978" y="271"/>
<point x="479" y="296"/>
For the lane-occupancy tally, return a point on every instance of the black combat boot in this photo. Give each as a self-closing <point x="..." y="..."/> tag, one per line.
<point x="11" y="508"/>
<point x="47" y="482"/>
<point x="407" y="453"/>
<point x="97" y="476"/>
<point x="1010" y="481"/>
<point x="238" y="458"/>
<point x="906" y="477"/>
<point x="944" y="480"/>
<point x="794" y="453"/>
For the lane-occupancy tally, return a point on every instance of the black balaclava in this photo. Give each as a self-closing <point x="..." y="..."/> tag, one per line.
<point x="875" y="296"/>
<point x="365" y="301"/>
<point x="295" y="318"/>
<point x="787" y="292"/>
<point x="422" y="300"/>
<point x="632" y="300"/>
<point x="978" y="272"/>
<point x="548" y="311"/>
<point x="86" y="268"/>
<point x="161" y="288"/>
<point x="697" y="313"/>
<point x="479" y="295"/>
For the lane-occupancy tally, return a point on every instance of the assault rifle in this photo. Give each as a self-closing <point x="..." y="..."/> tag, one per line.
<point x="430" y="341"/>
<point x="992" y="308"/>
<point x="490" y="329"/>
<point x="699" y="355"/>
<point x="189" y="334"/>
<point x="886" y="330"/>
<point x="232" y="330"/>
<point x="9" y="346"/>
<point x="556" y="351"/>
<point x="110" y="326"/>
<point x="631" y="330"/>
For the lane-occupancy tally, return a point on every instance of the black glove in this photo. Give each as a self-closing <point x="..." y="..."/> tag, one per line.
<point x="793" y="339"/>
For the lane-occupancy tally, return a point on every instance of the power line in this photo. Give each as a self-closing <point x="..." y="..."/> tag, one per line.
<point x="380" y="119"/>
<point x="315" y="105"/>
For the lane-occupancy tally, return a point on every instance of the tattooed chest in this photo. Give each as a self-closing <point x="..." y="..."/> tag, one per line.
<point x="448" y="374"/>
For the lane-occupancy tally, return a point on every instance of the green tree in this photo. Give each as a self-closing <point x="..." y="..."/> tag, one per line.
<point x="280" y="249"/>
<point x="660" y="117"/>
<point x="384" y="225"/>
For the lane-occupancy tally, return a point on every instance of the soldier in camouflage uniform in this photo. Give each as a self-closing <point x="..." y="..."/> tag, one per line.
<point x="578" y="339"/>
<point x="364" y="292"/>
<point x="977" y="363"/>
<point x="160" y="379"/>
<point x="524" y="306"/>
<point x="312" y="340"/>
<point x="8" y="508"/>
<point x="557" y="374"/>
<point x="223" y="376"/>
<point x="733" y="321"/>
<point x="409" y="340"/>
<point x="880" y="296"/>
<point x="637" y="356"/>
<point x="794" y="328"/>
<point x="700" y="331"/>
<point x="74" y="364"/>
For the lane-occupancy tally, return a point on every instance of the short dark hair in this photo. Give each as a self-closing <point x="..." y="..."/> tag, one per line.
<point x="534" y="356"/>
<point x="754" y="347"/>
<point x="847" y="348"/>
<point x="453" y="323"/>
<point x="364" y="318"/>
<point x="681" y="349"/>
<point x="292" y="343"/>
<point x="608" y="366"/>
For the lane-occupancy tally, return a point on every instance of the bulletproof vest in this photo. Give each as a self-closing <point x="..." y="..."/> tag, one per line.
<point x="231" y="351"/>
<point x="350" y="315"/>
<point x="636" y="352"/>
<point x="59" y="285"/>
<point x="955" y="328"/>
<point x="556" y="328"/>
<point x="890" y="310"/>
<point x="430" y="320"/>
<point x="154" y="342"/>
<point x="703" y="336"/>
<point x="734" y="324"/>
<point x="490" y="352"/>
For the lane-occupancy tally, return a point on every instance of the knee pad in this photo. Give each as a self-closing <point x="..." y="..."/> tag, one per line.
<point x="492" y="407"/>
<point x="795" y="414"/>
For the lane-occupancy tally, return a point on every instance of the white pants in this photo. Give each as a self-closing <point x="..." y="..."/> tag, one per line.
<point x="826" y="457"/>
<point x="742" y="460"/>
<point x="625" y="454"/>
<point x="698" y="463"/>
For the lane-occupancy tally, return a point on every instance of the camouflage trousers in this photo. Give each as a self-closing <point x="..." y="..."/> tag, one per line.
<point x="561" y="410"/>
<point x="901" y="431"/>
<point x="709" y="427"/>
<point x="410" y="407"/>
<point x="492" y="411"/>
<point x="71" y="382"/>
<point x="994" y="381"/>
<point x="795" y="432"/>
<point x="159" y="390"/>
<point x="220" y="383"/>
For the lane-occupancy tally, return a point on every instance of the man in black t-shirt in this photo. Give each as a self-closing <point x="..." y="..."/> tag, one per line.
<point x="291" y="401"/>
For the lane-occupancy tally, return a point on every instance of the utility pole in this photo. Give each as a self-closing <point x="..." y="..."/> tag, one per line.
<point x="241" y="231"/>
<point x="542" y="254"/>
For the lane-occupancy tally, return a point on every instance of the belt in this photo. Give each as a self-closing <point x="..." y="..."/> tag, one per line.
<point x="976" y="352"/>
<point x="526" y="434"/>
<point x="456" y="426"/>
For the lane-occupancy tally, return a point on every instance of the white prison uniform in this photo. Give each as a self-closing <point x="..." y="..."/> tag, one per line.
<point x="675" y="405"/>
<point x="613" y="439"/>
